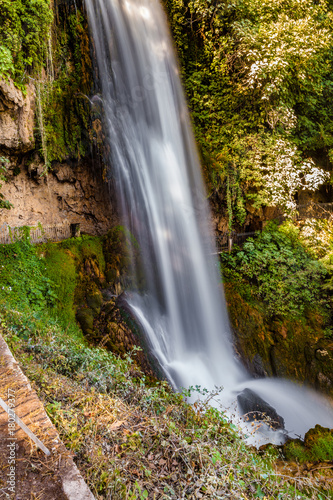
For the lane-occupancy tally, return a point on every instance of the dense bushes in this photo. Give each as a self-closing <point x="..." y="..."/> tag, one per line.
<point x="276" y="269"/>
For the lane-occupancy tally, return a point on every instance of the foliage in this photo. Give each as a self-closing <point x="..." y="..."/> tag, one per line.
<point x="131" y="438"/>
<point x="259" y="82"/>
<point x="65" y="105"/>
<point x="276" y="269"/>
<point x="274" y="172"/>
<point x="24" y="31"/>
<point x="22" y="278"/>
<point x="317" y="446"/>
<point x="62" y="266"/>
<point x="317" y="236"/>
<point x="56" y="57"/>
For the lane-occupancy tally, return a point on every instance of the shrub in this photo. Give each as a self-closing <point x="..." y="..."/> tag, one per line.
<point x="275" y="268"/>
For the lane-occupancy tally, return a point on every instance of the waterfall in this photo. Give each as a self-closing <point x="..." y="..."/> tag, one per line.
<point x="179" y="301"/>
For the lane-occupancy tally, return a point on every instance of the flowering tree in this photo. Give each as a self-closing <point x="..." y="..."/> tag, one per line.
<point x="258" y="75"/>
<point x="283" y="53"/>
<point x="279" y="171"/>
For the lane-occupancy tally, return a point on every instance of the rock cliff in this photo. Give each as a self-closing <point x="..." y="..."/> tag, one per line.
<point x="16" y="118"/>
<point x="71" y="192"/>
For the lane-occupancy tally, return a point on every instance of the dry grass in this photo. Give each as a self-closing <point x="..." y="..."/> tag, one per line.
<point x="130" y="450"/>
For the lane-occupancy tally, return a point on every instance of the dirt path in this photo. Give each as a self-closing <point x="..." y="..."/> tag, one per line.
<point x="26" y="473"/>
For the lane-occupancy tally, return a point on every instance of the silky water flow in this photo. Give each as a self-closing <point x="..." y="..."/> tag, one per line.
<point x="178" y="298"/>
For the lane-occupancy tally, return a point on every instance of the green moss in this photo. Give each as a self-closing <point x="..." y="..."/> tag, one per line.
<point x="116" y="249"/>
<point x="295" y="450"/>
<point x="64" y="267"/>
<point x="93" y="247"/>
<point x="65" y="133"/>
<point x="320" y="443"/>
<point x="94" y="301"/>
<point x="61" y="269"/>
<point x="86" y="247"/>
<point x="85" y="317"/>
<point x="317" y="446"/>
<point x="53" y="48"/>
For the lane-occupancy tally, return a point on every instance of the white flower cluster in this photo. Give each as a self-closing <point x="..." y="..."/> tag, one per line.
<point x="284" y="173"/>
<point x="272" y="54"/>
<point x="317" y="234"/>
<point x="284" y="116"/>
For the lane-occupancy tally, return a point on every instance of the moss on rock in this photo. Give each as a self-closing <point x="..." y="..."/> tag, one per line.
<point x="94" y="301"/>
<point x="116" y="248"/>
<point x="294" y="348"/>
<point x="85" y="317"/>
<point x="317" y="446"/>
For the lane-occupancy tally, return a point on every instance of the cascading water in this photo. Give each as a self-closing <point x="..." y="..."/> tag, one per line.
<point x="157" y="173"/>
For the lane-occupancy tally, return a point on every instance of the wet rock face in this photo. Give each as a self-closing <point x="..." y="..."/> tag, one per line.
<point x="295" y="349"/>
<point x="73" y="192"/>
<point x="16" y="117"/>
<point x="254" y="408"/>
<point x="99" y="310"/>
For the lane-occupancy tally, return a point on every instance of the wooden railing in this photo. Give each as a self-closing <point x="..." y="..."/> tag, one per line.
<point x="226" y="240"/>
<point x="37" y="234"/>
<point x="310" y="211"/>
<point x="315" y="211"/>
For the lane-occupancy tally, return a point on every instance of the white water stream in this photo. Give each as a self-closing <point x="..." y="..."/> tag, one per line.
<point x="180" y="304"/>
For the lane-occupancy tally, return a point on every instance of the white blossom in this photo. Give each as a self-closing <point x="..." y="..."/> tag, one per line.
<point x="284" y="173"/>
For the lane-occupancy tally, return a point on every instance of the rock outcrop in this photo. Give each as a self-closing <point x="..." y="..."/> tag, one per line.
<point x="295" y="349"/>
<point x="255" y="409"/>
<point x="16" y="117"/>
<point x="69" y="194"/>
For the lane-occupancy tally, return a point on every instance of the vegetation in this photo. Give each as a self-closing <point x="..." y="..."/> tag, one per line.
<point x="131" y="439"/>
<point x="22" y="276"/>
<point x="65" y="106"/>
<point x="277" y="269"/>
<point x="258" y="81"/>
<point x="50" y="47"/>
<point x="279" y="292"/>
<point x="318" y="444"/>
<point x="24" y="34"/>
<point x="258" y="78"/>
